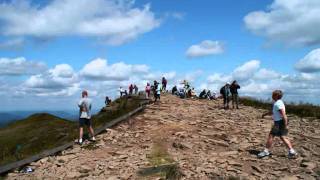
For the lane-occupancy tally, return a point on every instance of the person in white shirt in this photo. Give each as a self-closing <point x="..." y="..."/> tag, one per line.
<point x="280" y="127"/>
<point x="85" y="116"/>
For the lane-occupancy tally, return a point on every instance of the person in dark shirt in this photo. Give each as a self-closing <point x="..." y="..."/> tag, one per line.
<point x="107" y="101"/>
<point x="234" y="93"/>
<point x="174" y="90"/>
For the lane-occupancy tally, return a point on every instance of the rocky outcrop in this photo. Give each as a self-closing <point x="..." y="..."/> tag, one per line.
<point x="202" y="140"/>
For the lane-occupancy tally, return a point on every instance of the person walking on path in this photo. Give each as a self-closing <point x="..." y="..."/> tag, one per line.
<point x="164" y="84"/>
<point x="225" y="92"/>
<point x="156" y="91"/>
<point x="280" y="127"/>
<point x="234" y="93"/>
<point x="85" y="116"/>
<point x="148" y="90"/>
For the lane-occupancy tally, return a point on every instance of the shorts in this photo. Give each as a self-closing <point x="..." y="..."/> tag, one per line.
<point x="279" y="129"/>
<point x="84" y="121"/>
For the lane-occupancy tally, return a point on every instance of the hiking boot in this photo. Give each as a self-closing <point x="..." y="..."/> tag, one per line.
<point x="292" y="155"/>
<point x="263" y="154"/>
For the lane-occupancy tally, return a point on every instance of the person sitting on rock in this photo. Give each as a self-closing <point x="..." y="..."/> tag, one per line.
<point x="193" y="93"/>
<point x="122" y="92"/>
<point x="209" y="95"/>
<point x="203" y="94"/>
<point x="107" y="101"/>
<point x="280" y="127"/>
<point x="174" y="90"/>
<point x="85" y="116"/>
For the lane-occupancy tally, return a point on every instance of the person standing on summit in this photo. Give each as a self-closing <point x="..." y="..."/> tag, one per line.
<point x="130" y="89"/>
<point x="85" y="116"/>
<point x="225" y="92"/>
<point x="164" y="84"/>
<point x="234" y="93"/>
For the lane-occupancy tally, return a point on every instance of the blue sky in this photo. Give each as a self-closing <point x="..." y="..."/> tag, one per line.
<point x="63" y="46"/>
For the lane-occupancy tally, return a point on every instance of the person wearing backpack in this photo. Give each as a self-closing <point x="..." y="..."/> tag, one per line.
<point x="234" y="93"/>
<point x="225" y="92"/>
<point x="85" y="116"/>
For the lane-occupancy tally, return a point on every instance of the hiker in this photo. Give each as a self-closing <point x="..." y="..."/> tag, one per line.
<point x="280" y="127"/>
<point x="203" y="94"/>
<point x="193" y="93"/>
<point x="164" y="84"/>
<point x="107" y="101"/>
<point x="186" y="85"/>
<point x="234" y="93"/>
<point x="174" y="90"/>
<point x="209" y="95"/>
<point x="130" y="89"/>
<point x="225" y="92"/>
<point x="189" y="93"/>
<point x="182" y="93"/>
<point x="85" y="116"/>
<point x="148" y="90"/>
<point x="156" y="90"/>
<point x="135" y="87"/>
<point x="123" y="92"/>
<point x="214" y="95"/>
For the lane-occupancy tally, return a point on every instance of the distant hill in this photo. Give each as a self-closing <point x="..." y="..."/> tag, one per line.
<point x="42" y="131"/>
<point x="6" y="117"/>
<point x="26" y="137"/>
<point x="10" y="116"/>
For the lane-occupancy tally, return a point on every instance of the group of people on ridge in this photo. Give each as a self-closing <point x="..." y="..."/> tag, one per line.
<point x="279" y="129"/>
<point x="232" y="89"/>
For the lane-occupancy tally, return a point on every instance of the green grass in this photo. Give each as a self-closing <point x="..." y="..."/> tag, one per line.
<point x="163" y="165"/>
<point x="159" y="155"/>
<point x="39" y="132"/>
<point x="301" y="109"/>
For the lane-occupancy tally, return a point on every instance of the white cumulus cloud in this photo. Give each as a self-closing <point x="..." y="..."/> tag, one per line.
<point x="205" y="48"/>
<point x="20" y="66"/>
<point x="115" y="21"/>
<point x="291" y="22"/>
<point x="310" y="63"/>
<point x="265" y="74"/>
<point x="99" y="69"/>
<point x="246" y="71"/>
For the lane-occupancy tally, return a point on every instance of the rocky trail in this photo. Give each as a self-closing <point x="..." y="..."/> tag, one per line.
<point x="193" y="139"/>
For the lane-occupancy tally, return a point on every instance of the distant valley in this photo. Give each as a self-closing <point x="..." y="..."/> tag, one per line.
<point x="11" y="116"/>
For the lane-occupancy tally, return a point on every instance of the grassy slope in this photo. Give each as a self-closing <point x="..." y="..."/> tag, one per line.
<point x="32" y="135"/>
<point x="40" y="132"/>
